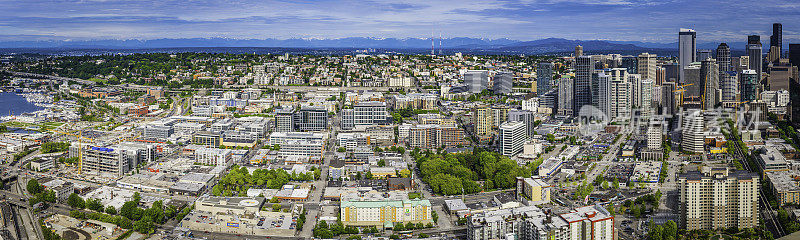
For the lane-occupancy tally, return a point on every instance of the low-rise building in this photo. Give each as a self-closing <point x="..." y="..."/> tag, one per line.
<point x="378" y="209"/>
<point x="534" y="190"/>
<point x="785" y="186"/>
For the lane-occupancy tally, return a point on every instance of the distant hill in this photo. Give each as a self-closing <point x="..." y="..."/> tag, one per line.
<point x="502" y="45"/>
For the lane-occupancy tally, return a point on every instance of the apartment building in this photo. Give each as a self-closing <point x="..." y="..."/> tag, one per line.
<point x="532" y="223"/>
<point x="718" y="198"/>
<point x="383" y="209"/>
<point x="433" y="136"/>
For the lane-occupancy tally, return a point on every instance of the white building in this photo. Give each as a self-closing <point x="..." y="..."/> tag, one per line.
<point x="512" y="137"/>
<point x="693" y="134"/>
<point x="213" y="156"/>
<point x="615" y="94"/>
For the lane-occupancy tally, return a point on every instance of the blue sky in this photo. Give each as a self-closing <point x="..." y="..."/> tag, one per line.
<point x="627" y="20"/>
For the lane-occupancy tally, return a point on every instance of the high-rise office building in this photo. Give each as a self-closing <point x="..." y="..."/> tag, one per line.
<point x="703" y="54"/>
<point x="615" y="94"/>
<point x="794" y="100"/>
<point x="694" y="92"/>
<point x="754" y="52"/>
<point x="630" y="63"/>
<point x="636" y="91"/>
<point x="284" y="120"/>
<point x="672" y="72"/>
<point x="660" y="75"/>
<point x="729" y="82"/>
<point x="773" y="55"/>
<point x="669" y="101"/>
<point x="646" y="98"/>
<point x="776" y="40"/>
<point x="582" y="86"/>
<point x="647" y="66"/>
<point x="512" y="136"/>
<point x="748" y="85"/>
<point x="476" y="80"/>
<point x="687" y="47"/>
<point x="723" y="58"/>
<point x="565" y="98"/>
<point x="780" y="73"/>
<point x="709" y="75"/>
<point x="741" y="63"/>
<point x="718" y="198"/>
<point x="693" y="132"/>
<point x="794" y="87"/>
<point x="544" y="78"/>
<point x="502" y="83"/>
<point x="525" y="117"/>
<point x="578" y="51"/>
<point x="794" y="54"/>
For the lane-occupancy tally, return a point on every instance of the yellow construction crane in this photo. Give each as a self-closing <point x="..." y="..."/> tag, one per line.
<point x="80" y="138"/>
<point x="682" y="89"/>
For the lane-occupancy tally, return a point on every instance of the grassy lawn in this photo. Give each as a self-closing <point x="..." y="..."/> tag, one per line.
<point x="413" y="195"/>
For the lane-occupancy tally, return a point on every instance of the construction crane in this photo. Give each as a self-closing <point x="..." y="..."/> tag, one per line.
<point x="682" y="89"/>
<point x="80" y="138"/>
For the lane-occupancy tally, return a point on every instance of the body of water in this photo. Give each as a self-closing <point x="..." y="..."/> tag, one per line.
<point x="12" y="103"/>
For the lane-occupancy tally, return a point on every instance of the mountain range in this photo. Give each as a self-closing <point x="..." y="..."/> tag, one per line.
<point x="548" y="45"/>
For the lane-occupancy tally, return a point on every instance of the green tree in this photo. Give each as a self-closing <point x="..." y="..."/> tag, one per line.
<point x="33" y="186"/>
<point x="111" y="210"/>
<point x="276" y="207"/>
<point x="75" y="201"/>
<point x="94" y="204"/>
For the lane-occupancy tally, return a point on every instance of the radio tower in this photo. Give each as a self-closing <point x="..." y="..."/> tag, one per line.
<point x="432" y="44"/>
<point x="440" y="43"/>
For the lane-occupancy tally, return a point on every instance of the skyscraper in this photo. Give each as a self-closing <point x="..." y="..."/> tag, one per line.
<point x="703" y="54"/>
<point x="776" y="40"/>
<point x="502" y="83"/>
<point x="582" y="87"/>
<point x="669" y="101"/>
<point x="646" y="98"/>
<point x="565" y="98"/>
<point x="794" y="54"/>
<point x="687" y="47"/>
<point x="646" y="66"/>
<point x="525" y="117"/>
<point x="692" y="134"/>
<point x="615" y="94"/>
<point x="578" y="51"/>
<point x="476" y="80"/>
<point x="723" y="58"/>
<point x="709" y="75"/>
<point x="794" y="87"/>
<point x="754" y="52"/>
<point x="748" y="85"/>
<point x="729" y="83"/>
<point x="631" y="63"/>
<point x="544" y="78"/>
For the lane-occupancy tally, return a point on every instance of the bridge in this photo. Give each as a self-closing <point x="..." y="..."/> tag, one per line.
<point x="51" y="77"/>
